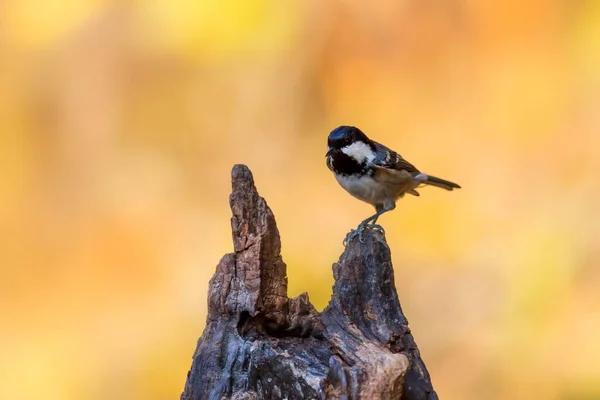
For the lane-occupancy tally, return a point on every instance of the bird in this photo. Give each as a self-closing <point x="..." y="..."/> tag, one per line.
<point x="374" y="173"/>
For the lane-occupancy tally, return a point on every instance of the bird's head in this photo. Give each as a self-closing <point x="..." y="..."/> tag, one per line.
<point x="352" y="142"/>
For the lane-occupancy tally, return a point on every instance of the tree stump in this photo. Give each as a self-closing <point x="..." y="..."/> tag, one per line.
<point x="260" y="344"/>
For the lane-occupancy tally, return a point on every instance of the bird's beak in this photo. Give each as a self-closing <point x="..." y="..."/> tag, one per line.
<point x="329" y="152"/>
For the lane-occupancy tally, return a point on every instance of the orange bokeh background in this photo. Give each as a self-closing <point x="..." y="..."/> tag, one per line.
<point x="120" y="122"/>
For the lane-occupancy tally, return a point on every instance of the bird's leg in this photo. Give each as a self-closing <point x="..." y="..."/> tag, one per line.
<point x="369" y="223"/>
<point x="380" y="210"/>
<point x="372" y="224"/>
<point x="361" y="227"/>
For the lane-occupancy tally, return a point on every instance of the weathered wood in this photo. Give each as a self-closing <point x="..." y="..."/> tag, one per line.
<point x="259" y="344"/>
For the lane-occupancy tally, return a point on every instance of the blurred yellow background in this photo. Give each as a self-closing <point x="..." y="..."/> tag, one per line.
<point x="120" y="122"/>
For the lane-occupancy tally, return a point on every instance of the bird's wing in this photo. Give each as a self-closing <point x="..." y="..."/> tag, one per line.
<point x="389" y="159"/>
<point x="390" y="168"/>
<point x="393" y="170"/>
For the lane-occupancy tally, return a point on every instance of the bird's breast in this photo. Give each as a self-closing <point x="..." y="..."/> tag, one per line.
<point x="365" y="188"/>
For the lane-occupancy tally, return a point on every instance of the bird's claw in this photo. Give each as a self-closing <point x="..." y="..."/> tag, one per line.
<point x="377" y="227"/>
<point x="359" y="232"/>
<point x="351" y="235"/>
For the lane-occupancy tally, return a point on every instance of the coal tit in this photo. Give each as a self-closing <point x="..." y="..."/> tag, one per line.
<point x="373" y="173"/>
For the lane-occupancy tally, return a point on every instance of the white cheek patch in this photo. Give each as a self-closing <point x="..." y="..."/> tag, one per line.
<point x="360" y="151"/>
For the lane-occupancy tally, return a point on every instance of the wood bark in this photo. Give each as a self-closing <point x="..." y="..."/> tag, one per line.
<point x="260" y="344"/>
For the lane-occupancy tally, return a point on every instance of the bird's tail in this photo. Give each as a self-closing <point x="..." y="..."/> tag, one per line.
<point x="438" y="182"/>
